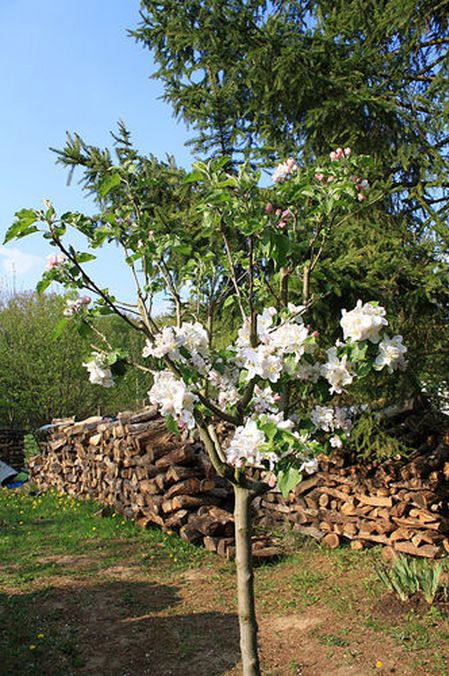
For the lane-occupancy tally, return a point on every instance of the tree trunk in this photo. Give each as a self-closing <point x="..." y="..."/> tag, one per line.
<point x="245" y="580"/>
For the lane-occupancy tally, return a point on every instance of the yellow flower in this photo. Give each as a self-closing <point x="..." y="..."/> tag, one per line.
<point x="40" y="635"/>
<point x="32" y="647"/>
<point x="379" y="664"/>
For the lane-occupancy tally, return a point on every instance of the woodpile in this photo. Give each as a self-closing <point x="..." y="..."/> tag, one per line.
<point x="403" y="506"/>
<point x="12" y="448"/>
<point x="133" y="465"/>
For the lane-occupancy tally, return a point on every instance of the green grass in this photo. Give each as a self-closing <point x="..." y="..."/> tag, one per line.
<point x="51" y="537"/>
<point x="36" y="529"/>
<point x="60" y="558"/>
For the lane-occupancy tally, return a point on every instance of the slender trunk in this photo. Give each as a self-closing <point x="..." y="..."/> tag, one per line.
<point x="245" y="581"/>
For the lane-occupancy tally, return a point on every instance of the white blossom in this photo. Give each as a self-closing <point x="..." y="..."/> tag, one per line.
<point x="171" y="338"/>
<point x="264" y="323"/>
<point x="296" y="312"/>
<point x="194" y="337"/>
<point x="329" y="419"/>
<point x="391" y="354"/>
<point x="309" y="466"/>
<point x="245" y="445"/>
<point x="336" y="442"/>
<point x="172" y="397"/>
<point x="343" y="418"/>
<point x="264" y="399"/>
<point x="226" y="384"/>
<point x="284" y="169"/>
<point x="280" y="421"/>
<point x="165" y="343"/>
<point x="289" y="338"/>
<point x="323" y="418"/>
<point x="99" y="371"/>
<point x="308" y="371"/>
<point x="260" y="361"/>
<point x="336" y="371"/>
<point x="363" y="322"/>
<point x="74" y="306"/>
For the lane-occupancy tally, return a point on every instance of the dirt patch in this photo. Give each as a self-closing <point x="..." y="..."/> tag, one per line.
<point x="69" y="560"/>
<point x="296" y="623"/>
<point x="391" y="608"/>
<point x="124" y="572"/>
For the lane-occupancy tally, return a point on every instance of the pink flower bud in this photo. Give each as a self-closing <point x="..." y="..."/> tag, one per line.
<point x="333" y="156"/>
<point x="272" y="481"/>
<point x="315" y="334"/>
<point x="269" y="208"/>
<point x="281" y="225"/>
<point x="319" y="177"/>
<point x="52" y="262"/>
<point x="286" y="214"/>
<point x="347" y="152"/>
<point x="277" y="397"/>
<point x="361" y="196"/>
<point x="330" y="179"/>
<point x="339" y="153"/>
<point x="85" y="300"/>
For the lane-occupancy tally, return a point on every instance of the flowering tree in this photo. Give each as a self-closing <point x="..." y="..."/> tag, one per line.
<point x="245" y="260"/>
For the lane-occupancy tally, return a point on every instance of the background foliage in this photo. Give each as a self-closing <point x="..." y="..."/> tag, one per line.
<point x="42" y="377"/>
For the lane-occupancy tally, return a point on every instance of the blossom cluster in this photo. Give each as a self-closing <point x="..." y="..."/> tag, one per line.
<point x="363" y="322"/>
<point x="55" y="261"/>
<point x="99" y="371"/>
<point x="330" y="419"/>
<point x="282" y="350"/>
<point x="74" y="306"/>
<point x="172" y="339"/>
<point x="338" y="154"/>
<point x="391" y="354"/>
<point x="172" y="397"/>
<point x="280" y="347"/>
<point x="284" y="170"/>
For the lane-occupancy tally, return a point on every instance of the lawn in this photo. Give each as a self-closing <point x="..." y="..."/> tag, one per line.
<point x="86" y="593"/>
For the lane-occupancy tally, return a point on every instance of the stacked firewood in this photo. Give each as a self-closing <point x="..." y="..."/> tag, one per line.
<point x="403" y="506"/>
<point x="133" y="465"/>
<point x="12" y="448"/>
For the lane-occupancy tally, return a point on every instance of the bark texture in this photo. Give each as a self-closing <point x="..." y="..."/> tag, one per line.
<point x="245" y="582"/>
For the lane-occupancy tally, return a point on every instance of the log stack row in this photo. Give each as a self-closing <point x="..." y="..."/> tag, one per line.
<point x="403" y="506"/>
<point x="12" y="448"/>
<point x="133" y="465"/>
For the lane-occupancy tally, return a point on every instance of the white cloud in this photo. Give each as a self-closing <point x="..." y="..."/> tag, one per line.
<point x="17" y="262"/>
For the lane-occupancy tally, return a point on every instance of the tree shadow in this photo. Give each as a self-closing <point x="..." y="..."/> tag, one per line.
<point x="119" y="628"/>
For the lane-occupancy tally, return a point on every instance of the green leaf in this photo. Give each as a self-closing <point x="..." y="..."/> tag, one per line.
<point x="288" y="479"/>
<point x="43" y="284"/>
<point x="230" y="300"/>
<point x="108" y="184"/>
<point x="83" y="329"/>
<point x="59" y="328"/>
<point x="193" y="177"/>
<point x="84" y="257"/>
<point x="22" y="226"/>
<point x="358" y="352"/>
<point x="172" y="425"/>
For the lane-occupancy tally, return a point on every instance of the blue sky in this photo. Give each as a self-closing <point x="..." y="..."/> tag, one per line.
<point x="70" y="66"/>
